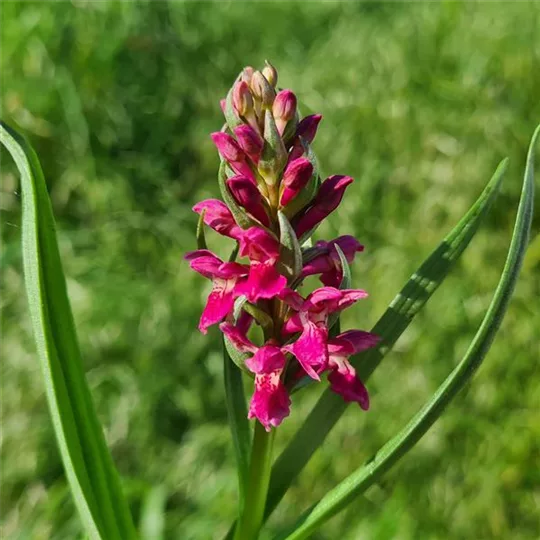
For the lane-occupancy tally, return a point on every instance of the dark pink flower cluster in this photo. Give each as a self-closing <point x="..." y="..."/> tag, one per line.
<point x="275" y="200"/>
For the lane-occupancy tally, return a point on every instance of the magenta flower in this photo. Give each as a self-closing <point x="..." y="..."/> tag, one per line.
<point x="306" y="130"/>
<point x="284" y="109"/>
<point x="232" y="152"/>
<point x="250" y="141"/>
<point x="343" y="379"/>
<point x="327" y="262"/>
<point x="227" y="278"/>
<point x="270" y="402"/>
<point x="264" y="280"/>
<point x="327" y="200"/>
<point x="242" y="99"/>
<point x="248" y="195"/>
<point x="218" y="216"/>
<point x="269" y="175"/>
<point x="295" y="177"/>
<point x="307" y="127"/>
<point x="311" y="319"/>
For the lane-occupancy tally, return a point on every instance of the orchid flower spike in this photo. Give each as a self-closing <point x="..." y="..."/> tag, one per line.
<point x="273" y="200"/>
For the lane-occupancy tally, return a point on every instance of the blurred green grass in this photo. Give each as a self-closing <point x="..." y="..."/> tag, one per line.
<point x="420" y="103"/>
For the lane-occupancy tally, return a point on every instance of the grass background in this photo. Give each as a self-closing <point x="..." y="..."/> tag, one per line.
<point x="420" y="103"/>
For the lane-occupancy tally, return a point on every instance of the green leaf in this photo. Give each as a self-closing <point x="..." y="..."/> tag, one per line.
<point x="397" y="447"/>
<point x="230" y="114"/>
<point x="290" y="251"/>
<point x="238" y="358"/>
<point x="274" y="155"/>
<point x="93" y="480"/>
<point x="201" y="239"/>
<point x="238" y="421"/>
<point x="346" y="280"/>
<point x="408" y="302"/>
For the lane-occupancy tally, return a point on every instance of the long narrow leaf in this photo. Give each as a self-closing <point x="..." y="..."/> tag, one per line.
<point x="238" y="421"/>
<point x="390" y="326"/>
<point x="93" y="479"/>
<point x="397" y="447"/>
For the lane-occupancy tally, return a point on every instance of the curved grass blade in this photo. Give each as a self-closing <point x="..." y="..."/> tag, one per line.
<point x="408" y="302"/>
<point x="238" y="420"/>
<point x="152" y="521"/>
<point x="93" y="480"/>
<point x="397" y="447"/>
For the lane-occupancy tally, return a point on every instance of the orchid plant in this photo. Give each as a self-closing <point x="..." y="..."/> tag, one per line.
<point x="279" y="332"/>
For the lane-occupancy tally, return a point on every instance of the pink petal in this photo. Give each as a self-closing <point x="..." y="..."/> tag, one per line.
<point x="270" y="403"/>
<point x="307" y="128"/>
<point x="241" y="98"/>
<point x="292" y="298"/>
<point x="330" y="299"/>
<point x="237" y="337"/>
<point x="204" y="262"/>
<point x="220" y="302"/>
<point x="296" y="176"/>
<point x="267" y="359"/>
<point x="248" y="195"/>
<point x="350" y="297"/>
<point x="310" y="349"/>
<point x="319" y="265"/>
<point x="284" y="109"/>
<point x="218" y="216"/>
<point x="348" y="244"/>
<point x="349" y="387"/>
<point x="332" y="277"/>
<point x="229" y="270"/>
<point x="259" y="245"/>
<point x="326" y="201"/>
<point x="324" y="297"/>
<point x="250" y="141"/>
<point x="263" y="281"/>
<point x="293" y="325"/>
<point x="231" y="151"/>
<point x="328" y="263"/>
<point x="352" y="342"/>
<point x="227" y="146"/>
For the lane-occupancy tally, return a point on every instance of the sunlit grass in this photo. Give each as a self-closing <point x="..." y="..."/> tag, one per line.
<point x="420" y="102"/>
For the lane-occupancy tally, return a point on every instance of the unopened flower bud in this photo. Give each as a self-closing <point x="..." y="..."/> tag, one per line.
<point x="247" y="195"/>
<point x="242" y="98"/>
<point x="262" y="90"/>
<point x="246" y="74"/>
<point x="296" y="176"/>
<point x="284" y="109"/>
<point x="250" y="141"/>
<point x="307" y="128"/>
<point x="327" y="200"/>
<point x="232" y="152"/>
<point x="270" y="72"/>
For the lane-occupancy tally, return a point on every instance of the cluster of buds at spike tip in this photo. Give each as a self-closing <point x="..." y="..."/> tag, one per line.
<point x="274" y="199"/>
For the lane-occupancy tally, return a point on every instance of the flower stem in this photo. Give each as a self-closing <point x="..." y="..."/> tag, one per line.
<point x="259" y="476"/>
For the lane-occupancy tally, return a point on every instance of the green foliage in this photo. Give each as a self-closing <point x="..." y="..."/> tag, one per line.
<point x="91" y="474"/>
<point x="420" y="102"/>
<point x="238" y="421"/>
<point x="394" y="321"/>
<point x="356" y="483"/>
